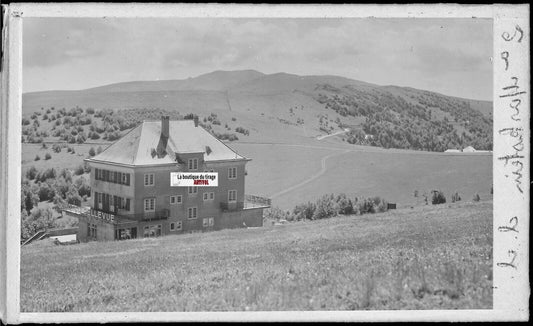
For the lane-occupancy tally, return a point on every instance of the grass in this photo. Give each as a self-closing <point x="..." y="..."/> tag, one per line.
<point x="390" y="174"/>
<point x="59" y="160"/>
<point x="430" y="257"/>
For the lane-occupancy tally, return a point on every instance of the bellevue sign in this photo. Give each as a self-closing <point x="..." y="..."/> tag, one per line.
<point x="106" y="217"/>
<point x="194" y="179"/>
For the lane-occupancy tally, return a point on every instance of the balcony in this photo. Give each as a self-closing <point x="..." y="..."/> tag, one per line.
<point x="233" y="206"/>
<point x="249" y="202"/>
<point x="161" y="214"/>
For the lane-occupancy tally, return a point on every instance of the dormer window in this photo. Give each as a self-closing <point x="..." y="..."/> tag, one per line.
<point x="193" y="164"/>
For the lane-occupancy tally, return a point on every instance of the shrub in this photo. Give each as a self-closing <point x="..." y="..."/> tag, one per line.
<point x="81" y="138"/>
<point x="66" y="174"/>
<point x="39" y="219"/>
<point x="304" y="211"/>
<point x="37" y="158"/>
<point x="92" y="152"/>
<point x="25" y="121"/>
<point x="84" y="189"/>
<point x="438" y="197"/>
<point x="73" y="197"/>
<point x="99" y="150"/>
<point x="325" y="207"/>
<point x="365" y="206"/>
<point x="47" y="156"/>
<point x="476" y="197"/>
<point x="344" y="205"/>
<point x="275" y="213"/>
<point x="242" y="131"/>
<point x="190" y="116"/>
<point x="45" y="175"/>
<point x="233" y="119"/>
<point x="455" y="197"/>
<point x="113" y="136"/>
<point x="226" y="136"/>
<point x="79" y="170"/>
<point x="31" y="173"/>
<point x="46" y="192"/>
<point x="56" y="148"/>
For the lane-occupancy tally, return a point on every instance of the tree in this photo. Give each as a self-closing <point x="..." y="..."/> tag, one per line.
<point x="39" y="219"/>
<point x="92" y="152"/>
<point x="47" y="156"/>
<point x="438" y="197"/>
<point x="31" y="173"/>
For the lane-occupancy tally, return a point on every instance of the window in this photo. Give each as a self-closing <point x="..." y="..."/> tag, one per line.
<point x="124" y="234"/>
<point x="232" y="195"/>
<point x="97" y="174"/>
<point x="193" y="190"/>
<point x="149" y="204"/>
<point x="125" y="178"/>
<point x="114" y="200"/>
<point x="179" y="226"/>
<point x="100" y="200"/>
<point x="193" y="164"/>
<point x="91" y="230"/>
<point x="209" y="196"/>
<point x="149" y="179"/>
<point x="232" y="173"/>
<point x="192" y="212"/>
<point x="205" y="222"/>
<point x="123" y="203"/>
<point x="152" y="231"/>
<point x="211" y="221"/>
<point x="175" y="199"/>
<point x="172" y="226"/>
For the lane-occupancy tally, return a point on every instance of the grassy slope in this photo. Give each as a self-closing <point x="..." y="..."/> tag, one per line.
<point x="364" y="171"/>
<point x="423" y="258"/>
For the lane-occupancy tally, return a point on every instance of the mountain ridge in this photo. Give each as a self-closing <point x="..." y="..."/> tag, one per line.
<point x="258" y="74"/>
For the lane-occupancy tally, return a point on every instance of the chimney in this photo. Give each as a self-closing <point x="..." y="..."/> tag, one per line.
<point x="164" y="126"/>
<point x="196" y="121"/>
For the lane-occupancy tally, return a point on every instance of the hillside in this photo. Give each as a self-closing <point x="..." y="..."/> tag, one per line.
<point x="430" y="257"/>
<point x="284" y="107"/>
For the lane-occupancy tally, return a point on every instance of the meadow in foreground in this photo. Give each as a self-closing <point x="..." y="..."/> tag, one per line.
<point x="429" y="257"/>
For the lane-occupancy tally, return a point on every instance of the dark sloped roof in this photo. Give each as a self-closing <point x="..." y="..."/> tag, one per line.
<point x="144" y="145"/>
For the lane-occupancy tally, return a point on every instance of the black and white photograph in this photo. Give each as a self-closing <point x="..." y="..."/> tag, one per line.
<point x="262" y="164"/>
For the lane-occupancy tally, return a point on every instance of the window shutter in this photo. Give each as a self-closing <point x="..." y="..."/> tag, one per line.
<point x="127" y="204"/>
<point x="128" y="179"/>
<point x="115" y="179"/>
<point x="95" y="200"/>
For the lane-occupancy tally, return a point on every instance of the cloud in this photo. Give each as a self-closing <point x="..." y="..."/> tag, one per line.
<point x="47" y="42"/>
<point x="410" y="52"/>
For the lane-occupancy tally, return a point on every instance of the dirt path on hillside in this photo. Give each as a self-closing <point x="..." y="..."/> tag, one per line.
<point x="334" y="134"/>
<point x="306" y="181"/>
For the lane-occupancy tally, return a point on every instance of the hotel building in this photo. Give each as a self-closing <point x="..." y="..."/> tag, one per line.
<point x="131" y="192"/>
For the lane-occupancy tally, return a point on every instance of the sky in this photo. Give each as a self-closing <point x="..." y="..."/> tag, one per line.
<point x="449" y="56"/>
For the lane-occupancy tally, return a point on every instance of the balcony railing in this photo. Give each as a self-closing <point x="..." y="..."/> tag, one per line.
<point x="250" y="201"/>
<point x="258" y="200"/>
<point x="161" y="214"/>
<point x="233" y="206"/>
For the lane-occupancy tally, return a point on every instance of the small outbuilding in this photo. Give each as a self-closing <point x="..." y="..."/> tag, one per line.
<point x="469" y="149"/>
